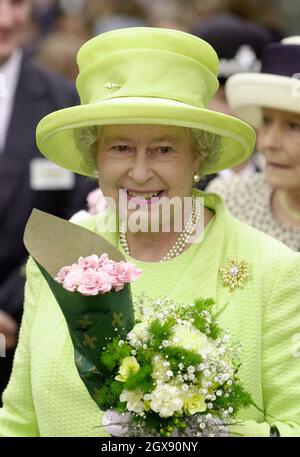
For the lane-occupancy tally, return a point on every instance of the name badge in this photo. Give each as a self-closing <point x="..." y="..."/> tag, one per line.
<point x="45" y="175"/>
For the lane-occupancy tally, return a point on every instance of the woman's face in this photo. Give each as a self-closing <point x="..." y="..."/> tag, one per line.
<point x="279" y="140"/>
<point x="147" y="161"/>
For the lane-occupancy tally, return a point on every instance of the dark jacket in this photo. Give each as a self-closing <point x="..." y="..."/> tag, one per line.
<point x="38" y="93"/>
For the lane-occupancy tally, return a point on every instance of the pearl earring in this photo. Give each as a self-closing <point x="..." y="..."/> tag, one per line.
<point x="196" y="177"/>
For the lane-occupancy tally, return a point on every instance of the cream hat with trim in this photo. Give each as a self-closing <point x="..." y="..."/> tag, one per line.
<point x="277" y="86"/>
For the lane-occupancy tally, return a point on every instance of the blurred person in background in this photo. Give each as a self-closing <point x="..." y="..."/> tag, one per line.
<point x="106" y="15"/>
<point x="267" y="13"/>
<point x="72" y="19"/>
<point x="170" y="14"/>
<point x="57" y="52"/>
<point x="270" y="102"/>
<point x="27" y="180"/>
<point x="239" y="45"/>
<point x="45" y="13"/>
<point x="50" y="17"/>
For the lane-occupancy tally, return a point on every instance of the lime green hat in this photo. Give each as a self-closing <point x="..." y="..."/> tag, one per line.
<point x="144" y="75"/>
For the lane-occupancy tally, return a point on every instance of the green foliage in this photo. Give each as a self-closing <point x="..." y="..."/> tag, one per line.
<point x="114" y="354"/>
<point x="164" y="426"/>
<point x="108" y="395"/>
<point x="160" y="331"/>
<point x="215" y="331"/>
<point x="195" y="312"/>
<point x="141" y="380"/>
<point x="206" y="305"/>
<point x="238" y="398"/>
<point x="153" y="421"/>
<point x="203" y="304"/>
<point x="176" y="355"/>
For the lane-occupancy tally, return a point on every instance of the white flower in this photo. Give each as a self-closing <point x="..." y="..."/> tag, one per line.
<point x="190" y="338"/>
<point x="139" y="334"/>
<point x="165" y="400"/>
<point x="159" y="372"/>
<point x="133" y="399"/>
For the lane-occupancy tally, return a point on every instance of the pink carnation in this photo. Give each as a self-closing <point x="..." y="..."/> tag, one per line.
<point x="127" y="272"/>
<point x="93" y="283"/>
<point x="111" y="269"/>
<point x="86" y="263"/>
<point x="93" y="275"/>
<point x="72" y="278"/>
<point x="60" y="277"/>
<point x="103" y="259"/>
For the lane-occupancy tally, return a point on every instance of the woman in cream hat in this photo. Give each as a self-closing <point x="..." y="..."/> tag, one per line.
<point x="143" y="128"/>
<point x="270" y="102"/>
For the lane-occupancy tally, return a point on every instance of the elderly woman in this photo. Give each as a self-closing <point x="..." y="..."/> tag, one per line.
<point x="270" y="101"/>
<point x="143" y="127"/>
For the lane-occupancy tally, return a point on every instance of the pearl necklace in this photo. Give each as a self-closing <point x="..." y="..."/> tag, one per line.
<point x="179" y="245"/>
<point x="291" y="212"/>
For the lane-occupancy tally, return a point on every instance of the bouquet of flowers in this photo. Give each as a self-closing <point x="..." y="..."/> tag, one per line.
<point x="172" y="372"/>
<point x="175" y="373"/>
<point x="93" y="292"/>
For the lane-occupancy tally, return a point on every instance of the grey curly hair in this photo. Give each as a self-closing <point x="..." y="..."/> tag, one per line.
<point x="205" y="144"/>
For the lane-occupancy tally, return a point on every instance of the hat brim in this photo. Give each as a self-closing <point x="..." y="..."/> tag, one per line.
<point x="248" y="93"/>
<point x="56" y="140"/>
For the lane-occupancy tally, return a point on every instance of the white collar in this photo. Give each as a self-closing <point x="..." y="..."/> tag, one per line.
<point x="9" y="74"/>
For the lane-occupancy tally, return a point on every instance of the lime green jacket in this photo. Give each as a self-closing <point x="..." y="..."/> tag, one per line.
<point x="45" y="396"/>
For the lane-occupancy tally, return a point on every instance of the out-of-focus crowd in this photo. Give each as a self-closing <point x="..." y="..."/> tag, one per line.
<point x="59" y="27"/>
<point x="39" y="40"/>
